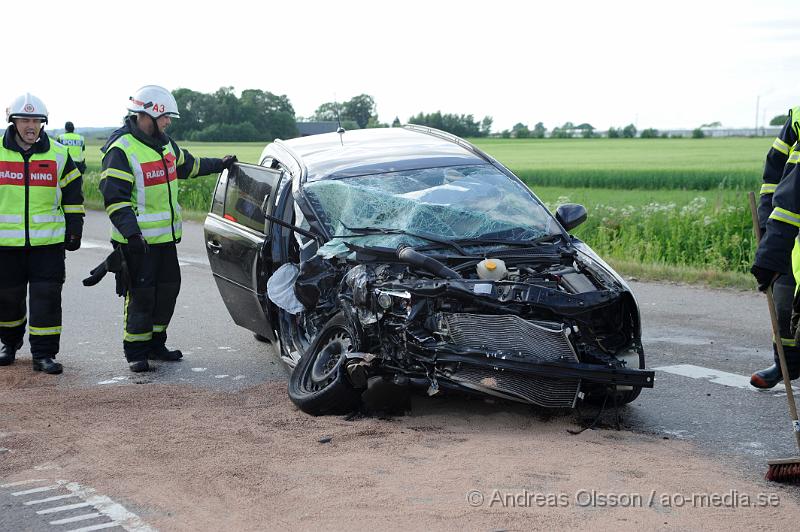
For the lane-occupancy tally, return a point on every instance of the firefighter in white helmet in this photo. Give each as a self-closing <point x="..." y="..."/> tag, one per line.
<point x="141" y="166"/>
<point x="41" y="215"/>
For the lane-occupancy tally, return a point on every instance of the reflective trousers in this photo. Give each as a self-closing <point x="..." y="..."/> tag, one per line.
<point x="155" y="279"/>
<point x="40" y="271"/>
<point x="783" y="291"/>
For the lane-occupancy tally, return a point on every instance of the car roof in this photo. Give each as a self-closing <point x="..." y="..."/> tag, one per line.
<point x="380" y="150"/>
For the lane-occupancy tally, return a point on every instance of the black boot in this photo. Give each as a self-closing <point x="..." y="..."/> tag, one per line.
<point x="160" y="352"/>
<point x="48" y="365"/>
<point x="8" y="353"/>
<point x="138" y="366"/>
<point x="769" y="377"/>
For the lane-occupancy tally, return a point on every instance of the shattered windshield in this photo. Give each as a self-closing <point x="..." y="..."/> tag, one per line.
<point x="457" y="202"/>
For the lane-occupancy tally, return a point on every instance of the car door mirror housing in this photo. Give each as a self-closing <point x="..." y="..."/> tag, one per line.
<point x="571" y="215"/>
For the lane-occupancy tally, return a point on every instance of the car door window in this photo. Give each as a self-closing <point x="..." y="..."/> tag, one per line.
<point x="218" y="201"/>
<point x="248" y="189"/>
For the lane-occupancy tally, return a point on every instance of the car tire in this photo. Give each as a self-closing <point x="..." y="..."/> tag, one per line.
<point x="319" y="384"/>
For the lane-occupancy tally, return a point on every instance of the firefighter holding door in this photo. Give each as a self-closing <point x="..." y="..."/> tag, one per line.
<point x="41" y="215"/>
<point x="141" y="166"/>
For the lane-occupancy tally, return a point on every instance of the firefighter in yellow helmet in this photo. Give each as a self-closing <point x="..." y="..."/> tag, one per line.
<point x="76" y="145"/>
<point x="41" y="215"/>
<point x="139" y="181"/>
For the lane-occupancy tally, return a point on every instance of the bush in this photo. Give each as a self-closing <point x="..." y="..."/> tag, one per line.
<point x="698" y="133"/>
<point x="649" y="133"/>
<point x="613" y="133"/>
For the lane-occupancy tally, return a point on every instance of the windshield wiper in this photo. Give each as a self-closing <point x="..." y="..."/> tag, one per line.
<point x="365" y="231"/>
<point x="508" y="242"/>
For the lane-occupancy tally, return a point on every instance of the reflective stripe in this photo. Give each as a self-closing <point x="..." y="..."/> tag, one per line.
<point x="768" y="188"/>
<point x="195" y="168"/>
<point x="143" y="337"/>
<point x="13" y="323"/>
<point x="789" y="342"/>
<point x="11" y="233"/>
<point x="154" y="217"/>
<point x="794" y="157"/>
<point x="781" y="146"/>
<point x="160" y="231"/>
<point x="782" y="215"/>
<point x="139" y="180"/>
<point x="10" y="219"/>
<point x="44" y="331"/>
<point x="74" y="209"/>
<point x="119" y="174"/>
<point x="47" y="233"/>
<point x="69" y="178"/>
<point x="114" y="207"/>
<point x="47" y="218"/>
<point x="159" y="328"/>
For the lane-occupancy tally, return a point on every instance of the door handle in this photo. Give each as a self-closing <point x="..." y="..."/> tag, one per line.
<point x="215" y="247"/>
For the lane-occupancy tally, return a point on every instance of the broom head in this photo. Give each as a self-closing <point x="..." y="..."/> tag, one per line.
<point x="786" y="470"/>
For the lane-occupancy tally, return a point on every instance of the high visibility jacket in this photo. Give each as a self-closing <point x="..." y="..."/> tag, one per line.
<point x="139" y="186"/>
<point x="40" y="193"/>
<point x="75" y="144"/>
<point x="775" y="166"/>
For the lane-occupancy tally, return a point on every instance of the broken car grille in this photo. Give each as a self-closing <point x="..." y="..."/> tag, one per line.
<point x="537" y="341"/>
<point x="542" y="391"/>
<point x="545" y="341"/>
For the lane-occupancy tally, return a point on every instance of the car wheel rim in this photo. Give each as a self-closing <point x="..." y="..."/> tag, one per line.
<point x="326" y="363"/>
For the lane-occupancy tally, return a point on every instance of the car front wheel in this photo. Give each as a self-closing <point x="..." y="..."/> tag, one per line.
<point x="319" y="384"/>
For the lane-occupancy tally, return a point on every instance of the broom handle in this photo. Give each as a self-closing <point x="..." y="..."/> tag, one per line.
<point x="773" y="315"/>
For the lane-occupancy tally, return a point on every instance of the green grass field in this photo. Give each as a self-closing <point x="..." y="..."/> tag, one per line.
<point x="675" y="208"/>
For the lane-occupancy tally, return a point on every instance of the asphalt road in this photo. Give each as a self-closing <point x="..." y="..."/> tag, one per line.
<point x="217" y="353"/>
<point x="723" y="331"/>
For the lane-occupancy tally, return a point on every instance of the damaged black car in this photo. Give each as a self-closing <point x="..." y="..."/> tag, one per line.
<point x="411" y="256"/>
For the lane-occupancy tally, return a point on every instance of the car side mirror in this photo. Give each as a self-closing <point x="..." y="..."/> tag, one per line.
<point x="571" y="215"/>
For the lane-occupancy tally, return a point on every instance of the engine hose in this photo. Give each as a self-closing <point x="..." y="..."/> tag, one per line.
<point x="415" y="258"/>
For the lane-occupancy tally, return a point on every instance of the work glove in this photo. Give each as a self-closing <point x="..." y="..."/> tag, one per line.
<point x="228" y="161"/>
<point x="72" y="242"/>
<point x="764" y="277"/>
<point x="138" y="245"/>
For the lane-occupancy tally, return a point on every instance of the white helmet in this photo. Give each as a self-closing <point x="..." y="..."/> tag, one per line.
<point x="26" y="105"/>
<point x="155" y="101"/>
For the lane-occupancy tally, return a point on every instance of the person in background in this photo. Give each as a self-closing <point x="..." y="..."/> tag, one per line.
<point x="76" y="145"/>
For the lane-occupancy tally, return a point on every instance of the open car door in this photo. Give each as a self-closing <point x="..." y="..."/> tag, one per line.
<point x="236" y="233"/>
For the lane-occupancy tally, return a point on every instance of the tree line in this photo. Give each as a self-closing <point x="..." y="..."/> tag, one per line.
<point x="258" y="115"/>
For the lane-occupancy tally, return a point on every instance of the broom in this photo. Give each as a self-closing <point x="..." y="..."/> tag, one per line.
<point x="782" y="469"/>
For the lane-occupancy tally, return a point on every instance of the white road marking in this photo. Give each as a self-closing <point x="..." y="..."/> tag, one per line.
<point x="221" y="376"/>
<point x="21" y="482"/>
<point x="95" y="527"/>
<point x="84" y="517"/>
<point x="199" y="370"/>
<point x="50" y="499"/>
<point x="63" y="508"/>
<point x="35" y="490"/>
<point x="714" y="375"/>
<point x="183" y="259"/>
<point x="103" y="505"/>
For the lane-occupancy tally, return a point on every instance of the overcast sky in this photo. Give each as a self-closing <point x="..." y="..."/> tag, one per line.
<point x="657" y="64"/>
